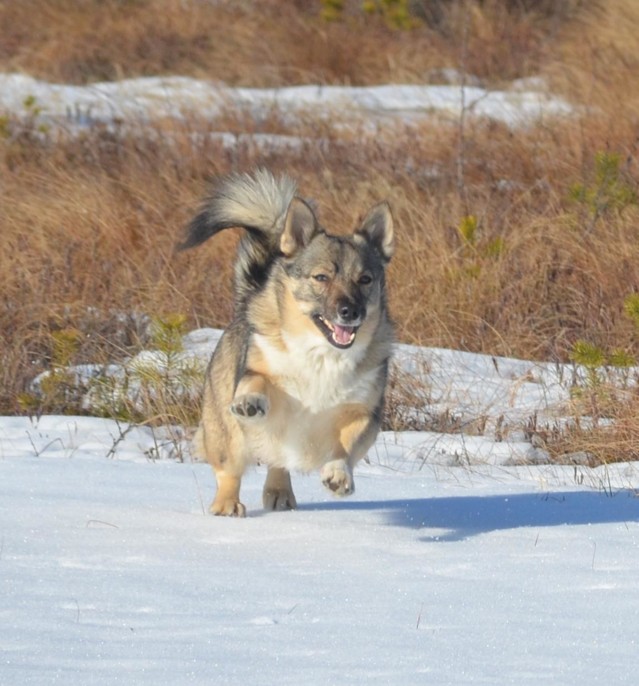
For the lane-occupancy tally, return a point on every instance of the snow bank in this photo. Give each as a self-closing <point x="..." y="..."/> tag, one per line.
<point x="144" y="99"/>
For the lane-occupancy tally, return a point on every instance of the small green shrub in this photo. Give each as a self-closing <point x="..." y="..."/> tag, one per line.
<point x="396" y="13"/>
<point x="56" y="390"/>
<point x="332" y="10"/>
<point x="608" y="193"/>
<point x="606" y="371"/>
<point x="158" y="386"/>
<point x="476" y="250"/>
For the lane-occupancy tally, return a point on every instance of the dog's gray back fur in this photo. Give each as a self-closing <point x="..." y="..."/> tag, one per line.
<point x="256" y="202"/>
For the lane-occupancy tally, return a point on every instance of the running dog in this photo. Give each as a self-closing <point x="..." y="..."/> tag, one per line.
<point x="297" y="380"/>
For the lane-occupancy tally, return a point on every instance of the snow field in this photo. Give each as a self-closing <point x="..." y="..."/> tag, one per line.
<point x="113" y="573"/>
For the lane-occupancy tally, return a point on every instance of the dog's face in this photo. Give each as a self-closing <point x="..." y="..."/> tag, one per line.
<point x="337" y="281"/>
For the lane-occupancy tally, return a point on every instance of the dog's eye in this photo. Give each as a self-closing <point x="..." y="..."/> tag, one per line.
<point x="320" y="277"/>
<point x="365" y="279"/>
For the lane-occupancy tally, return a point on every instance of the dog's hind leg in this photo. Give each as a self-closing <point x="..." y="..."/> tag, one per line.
<point x="278" y="490"/>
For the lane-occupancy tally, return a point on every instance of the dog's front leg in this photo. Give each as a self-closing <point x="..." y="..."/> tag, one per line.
<point x="227" y="499"/>
<point x="337" y="476"/>
<point x="250" y="403"/>
<point x="355" y="434"/>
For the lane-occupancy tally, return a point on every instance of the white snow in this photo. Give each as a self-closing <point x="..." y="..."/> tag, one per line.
<point x="144" y="99"/>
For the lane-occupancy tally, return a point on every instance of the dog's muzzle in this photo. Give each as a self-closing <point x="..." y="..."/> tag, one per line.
<point x="341" y="329"/>
<point x="339" y="335"/>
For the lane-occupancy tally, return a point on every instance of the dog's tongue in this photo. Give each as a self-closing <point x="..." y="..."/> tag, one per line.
<point x="342" y="334"/>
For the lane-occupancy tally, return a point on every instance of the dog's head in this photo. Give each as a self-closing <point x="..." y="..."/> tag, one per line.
<point x="337" y="282"/>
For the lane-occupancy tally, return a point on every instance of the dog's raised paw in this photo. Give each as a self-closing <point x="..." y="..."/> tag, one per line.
<point x="250" y="406"/>
<point x="338" y="477"/>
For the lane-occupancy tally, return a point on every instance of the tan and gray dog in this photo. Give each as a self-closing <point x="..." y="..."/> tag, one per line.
<point x="297" y="380"/>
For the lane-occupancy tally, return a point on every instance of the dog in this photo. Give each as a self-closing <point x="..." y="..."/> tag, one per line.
<point x="297" y="380"/>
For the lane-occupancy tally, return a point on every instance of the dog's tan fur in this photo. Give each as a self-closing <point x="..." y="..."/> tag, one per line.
<point x="297" y="380"/>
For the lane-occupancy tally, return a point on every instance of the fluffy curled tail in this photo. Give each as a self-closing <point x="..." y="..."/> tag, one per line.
<point x="255" y="202"/>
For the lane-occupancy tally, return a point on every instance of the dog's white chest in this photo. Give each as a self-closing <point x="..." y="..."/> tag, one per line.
<point x="315" y="384"/>
<point x="316" y="375"/>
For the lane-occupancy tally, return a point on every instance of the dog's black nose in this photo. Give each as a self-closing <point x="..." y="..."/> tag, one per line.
<point x="349" y="311"/>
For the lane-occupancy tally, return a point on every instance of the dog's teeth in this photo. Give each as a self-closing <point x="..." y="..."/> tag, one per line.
<point x="326" y="323"/>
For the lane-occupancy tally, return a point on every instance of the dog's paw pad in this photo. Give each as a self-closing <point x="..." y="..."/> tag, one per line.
<point x="250" y="406"/>
<point x="337" y="477"/>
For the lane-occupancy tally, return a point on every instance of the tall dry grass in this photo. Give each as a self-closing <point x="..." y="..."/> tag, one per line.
<point x="276" y="42"/>
<point x="89" y="223"/>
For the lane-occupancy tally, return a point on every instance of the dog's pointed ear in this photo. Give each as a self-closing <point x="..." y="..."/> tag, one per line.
<point x="300" y="226"/>
<point x="377" y="229"/>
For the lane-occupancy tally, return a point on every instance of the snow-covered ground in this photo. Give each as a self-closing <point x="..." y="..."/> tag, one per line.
<point x="174" y="96"/>
<point x="112" y="573"/>
<point x="462" y="558"/>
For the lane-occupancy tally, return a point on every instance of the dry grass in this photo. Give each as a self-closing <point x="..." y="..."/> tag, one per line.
<point x="89" y="223"/>
<point x="599" y="437"/>
<point x="271" y="43"/>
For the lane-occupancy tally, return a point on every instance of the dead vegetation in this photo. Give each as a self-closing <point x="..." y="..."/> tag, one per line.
<point x="511" y="241"/>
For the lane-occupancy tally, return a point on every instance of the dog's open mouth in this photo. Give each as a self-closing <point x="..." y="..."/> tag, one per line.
<point x="340" y="336"/>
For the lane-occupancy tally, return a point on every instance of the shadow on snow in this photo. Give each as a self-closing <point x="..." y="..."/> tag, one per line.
<point x="465" y="516"/>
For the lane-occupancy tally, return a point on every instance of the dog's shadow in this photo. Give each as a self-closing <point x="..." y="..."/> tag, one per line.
<point x="457" y="518"/>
